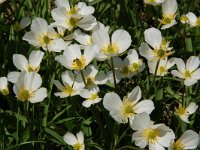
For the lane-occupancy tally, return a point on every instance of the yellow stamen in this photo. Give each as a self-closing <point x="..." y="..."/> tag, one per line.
<point x="73" y="10"/>
<point x="5" y="91"/>
<point x="89" y="41"/>
<point x="93" y="96"/>
<point x="68" y="90"/>
<point x="110" y="49"/>
<point x="162" y="69"/>
<point x="181" y="110"/>
<point x="124" y="70"/>
<point x="198" y="22"/>
<point x="32" y="69"/>
<point x="178" y="145"/>
<point x="24" y="94"/>
<point x="167" y="18"/>
<point x="90" y="81"/>
<point x="184" y="19"/>
<point x="128" y="109"/>
<point x="79" y="64"/>
<point x="151" y="135"/>
<point x="77" y="146"/>
<point x="187" y="74"/>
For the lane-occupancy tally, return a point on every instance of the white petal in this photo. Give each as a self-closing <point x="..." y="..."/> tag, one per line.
<point x="3" y="83"/>
<point x="87" y="103"/>
<point x="85" y="10"/>
<point x="25" y="22"/>
<point x="132" y="56"/>
<point x="57" y="45"/>
<point x="39" y="26"/>
<point x="189" y="82"/>
<point x="30" y="37"/>
<point x="80" y="137"/>
<point x="190" y="139"/>
<point x="192" y="18"/>
<point x="196" y="74"/>
<point x="180" y="65"/>
<point x="87" y="23"/>
<point x="169" y="6"/>
<point x="70" y="139"/>
<point x="58" y="85"/>
<point x="101" y="78"/>
<point x="35" y="58"/>
<point x="112" y="101"/>
<point x="90" y="71"/>
<point x="123" y="40"/>
<point x="141" y="122"/>
<point x="13" y="76"/>
<point x="192" y="107"/>
<point x="61" y="94"/>
<point x="68" y="78"/>
<point x="63" y="3"/>
<point x="177" y="74"/>
<point x="90" y="53"/>
<point x="139" y="139"/>
<point x="192" y="63"/>
<point x="101" y="38"/>
<point x="39" y="95"/>
<point x="81" y="37"/>
<point x="135" y="94"/>
<point x="85" y="93"/>
<point x="153" y="37"/>
<point x="20" y="62"/>
<point x="145" y="106"/>
<point x="146" y="51"/>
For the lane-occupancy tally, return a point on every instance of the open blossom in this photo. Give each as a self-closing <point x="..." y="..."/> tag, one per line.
<point x="135" y="64"/>
<point x="125" y="110"/>
<point x="73" y="59"/>
<point x="163" y="66"/>
<point x="27" y="88"/>
<point x="43" y="35"/>
<point x="156" y="136"/>
<point x="91" y="96"/>
<point x="92" y="76"/>
<point x="160" y="47"/>
<point x="4" y="86"/>
<point x="185" y="112"/>
<point x="191" y="19"/>
<point x="21" y="63"/>
<point x="188" y="140"/>
<point x="77" y="142"/>
<point x="189" y="71"/>
<point x="169" y="8"/>
<point x="119" y="42"/>
<point x="72" y="17"/>
<point x="153" y="2"/>
<point x="71" y="86"/>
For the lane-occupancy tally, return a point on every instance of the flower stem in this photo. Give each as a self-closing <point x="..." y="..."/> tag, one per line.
<point x="82" y="75"/>
<point x="113" y="71"/>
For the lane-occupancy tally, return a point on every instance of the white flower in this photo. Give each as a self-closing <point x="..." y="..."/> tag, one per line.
<point x="153" y="2"/>
<point x="163" y="66"/>
<point x="28" y="87"/>
<point x="119" y="42"/>
<point x="4" y="86"/>
<point x="25" y="21"/>
<point x="79" y="10"/>
<point x="74" y="60"/>
<point x="155" y="136"/>
<point x="71" y="86"/>
<point x="82" y="38"/>
<point x="21" y="63"/>
<point x="169" y="8"/>
<point x="43" y="35"/>
<point x="1" y="1"/>
<point x="77" y="142"/>
<point x="62" y="19"/>
<point x="188" y="140"/>
<point x="160" y="46"/>
<point x="91" y="96"/>
<point x="189" y="71"/>
<point x="185" y="112"/>
<point x="135" y="64"/>
<point x="125" y="110"/>
<point x="191" y="19"/>
<point x="92" y="76"/>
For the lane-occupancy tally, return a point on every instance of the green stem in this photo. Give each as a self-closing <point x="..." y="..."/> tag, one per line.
<point x="82" y="75"/>
<point x="113" y="71"/>
<point x="154" y="77"/>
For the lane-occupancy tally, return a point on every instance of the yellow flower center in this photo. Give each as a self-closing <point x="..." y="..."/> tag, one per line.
<point x="198" y="22"/>
<point x="134" y="67"/>
<point x="150" y="1"/>
<point x="184" y="19"/>
<point x="73" y="10"/>
<point x="79" y="64"/>
<point x="5" y="91"/>
<point x="68" y="90"/>
<point x="187" y="74"/>
<point x="77" y="146"/>
<point x="167" y="18"/>
<point x="72" y="22"/>
<point x="89" y="41"/>
<point x="178" y="145"/>
<point x="151" y="135"/>
<point x="162" y="69"/>
<point x="32" y="69"/>
<point x="25" y="94"/>
<point x="124" y="70"/>
<point x="44" y="39"/>
<point x="90" y="81"/>
<point x="93" y="96"/>
<point x="110" y="49"/>
<point x="128" y="109"/>
<point x="181" y="110"/>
